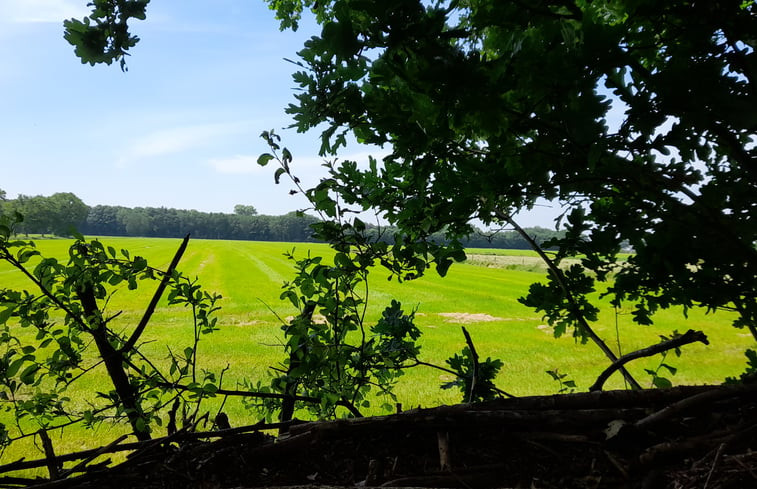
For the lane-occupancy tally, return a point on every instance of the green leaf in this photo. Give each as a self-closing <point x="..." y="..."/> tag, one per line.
<point x="669" y="368"/>
<point x="662" y="383"/>
<point x="139" y="264"/>
<point x="264" y="159"/>
<point x="6" y="314"/>
<point x="15" y="366"/>
<point x="286" y="157"/>
<point x="442" y="266"/>
<point x="115" y="279"/>
<point x="277" y="175"/>
<point x="25" y="255"/>
<point x="29" y="373"/>
<point x="343" y="261"/>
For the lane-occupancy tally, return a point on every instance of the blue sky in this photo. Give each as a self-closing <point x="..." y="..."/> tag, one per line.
<point x="179" y="129"/>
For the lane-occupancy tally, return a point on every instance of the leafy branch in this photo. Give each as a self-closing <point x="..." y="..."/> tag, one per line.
<point x="35" y="372"/>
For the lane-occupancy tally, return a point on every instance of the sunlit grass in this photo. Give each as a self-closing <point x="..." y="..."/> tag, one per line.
<point x="484" y="299"/>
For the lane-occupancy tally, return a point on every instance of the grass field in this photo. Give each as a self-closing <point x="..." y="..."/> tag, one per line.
<point x="482" y="295"/>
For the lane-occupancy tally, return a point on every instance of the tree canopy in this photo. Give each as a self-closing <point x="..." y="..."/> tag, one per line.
<point x="60" y="213"/>
<point x="637" y="117"/>
<point x="245" y="210"/>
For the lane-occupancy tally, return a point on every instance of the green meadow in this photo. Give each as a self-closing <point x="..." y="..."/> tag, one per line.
<point x="481" y="294"/>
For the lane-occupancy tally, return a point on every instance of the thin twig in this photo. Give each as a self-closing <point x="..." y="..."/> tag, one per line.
<point x="452" y="372"/>
<point x="18" y="265"/>
<point x="714" y="464"/>
<point x="259" y="395"/>
<point x="474" y="356"/>
<point x="95" y="453"/>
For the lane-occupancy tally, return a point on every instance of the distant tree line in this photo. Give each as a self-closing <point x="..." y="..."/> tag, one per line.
<point x="161" y="222"/>
<point x="58" y="214"/>
<point x="510" y="240"/>
<point x="502" y="239"/>
<point x="62" y="213"/>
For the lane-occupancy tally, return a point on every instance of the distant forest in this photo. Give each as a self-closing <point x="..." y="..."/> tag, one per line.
<point x="61" y="213"/>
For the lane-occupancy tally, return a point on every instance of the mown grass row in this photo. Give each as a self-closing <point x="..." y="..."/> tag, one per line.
<point x="249" y="275"/>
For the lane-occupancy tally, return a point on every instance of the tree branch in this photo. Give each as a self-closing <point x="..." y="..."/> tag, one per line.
<point x="19" y="266"/>
<point x="690" y="336"/>
<point x="474" y="356"/>
<point x="113" y="359"/>
<point x="264" y="395"/>
<point x="559" y="277"/>
<point x="155" y="298"/>
<point x="419" y="363"/>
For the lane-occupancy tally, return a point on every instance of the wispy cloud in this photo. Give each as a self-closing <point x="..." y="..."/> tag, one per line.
<point x="236" y="164"/>
<point x="174" y="140"/>
<point x="181" y="139"/>
<point x="36" y="11"/>
<point x="249" y="164"/>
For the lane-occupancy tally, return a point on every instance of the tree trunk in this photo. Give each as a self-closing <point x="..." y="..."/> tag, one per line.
<point x="113" y="362"/>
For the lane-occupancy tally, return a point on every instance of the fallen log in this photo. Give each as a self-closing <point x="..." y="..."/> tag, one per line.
<point x="552" y="441"/>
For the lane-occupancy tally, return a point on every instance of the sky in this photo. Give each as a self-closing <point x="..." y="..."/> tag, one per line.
<point x="179" y="129"/>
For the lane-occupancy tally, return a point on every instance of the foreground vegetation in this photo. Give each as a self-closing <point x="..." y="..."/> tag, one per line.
<point x="660" y="171"/>
<point x="484" y="299"/>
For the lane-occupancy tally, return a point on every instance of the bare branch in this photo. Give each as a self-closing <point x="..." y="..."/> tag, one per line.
<point x="559" y="277"/>
<point x="155" y="298"/>
<point x="690" y="336"/>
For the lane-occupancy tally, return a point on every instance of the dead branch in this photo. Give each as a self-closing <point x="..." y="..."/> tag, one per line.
<point x="474" y="356"/>
<point x="155" y="298"/>
<point x="95" y="453"/>
<point x="560" y="278"/>
<point x="708" y="396"/>
<point x="690" y="336"/>
<point x="116" y="446"/>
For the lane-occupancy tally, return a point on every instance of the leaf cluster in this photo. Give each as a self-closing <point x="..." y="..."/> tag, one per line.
<point x="565" y="383"/>
<point x="103" y="36"/>
<point x="475" y="379"/>
<point x="630" y="115"/>
<point x="60" y="330"/>
<point x="332" y="353"/>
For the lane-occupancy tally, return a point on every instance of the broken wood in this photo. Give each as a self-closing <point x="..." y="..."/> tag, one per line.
<point x="442" y="439"/>
<point x="541" y="442"/>
<point x="699" y="399"/>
